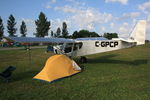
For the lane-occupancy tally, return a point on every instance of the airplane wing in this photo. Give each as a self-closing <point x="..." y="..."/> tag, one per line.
<point x="91" y="38"/>
<point x="39" y="40"/>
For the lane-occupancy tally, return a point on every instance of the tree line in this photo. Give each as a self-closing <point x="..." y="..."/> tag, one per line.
<point x="11" y="29"/>
<point x="43" y="27"/>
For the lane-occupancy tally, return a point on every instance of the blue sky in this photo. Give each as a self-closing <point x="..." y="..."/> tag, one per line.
<point x="94" y="15"/>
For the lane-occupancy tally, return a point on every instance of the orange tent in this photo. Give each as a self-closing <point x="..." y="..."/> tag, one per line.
<point x="56" y="67"/>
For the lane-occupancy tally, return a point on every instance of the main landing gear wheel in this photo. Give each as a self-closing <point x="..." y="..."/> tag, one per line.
<point x="83" y="59"/>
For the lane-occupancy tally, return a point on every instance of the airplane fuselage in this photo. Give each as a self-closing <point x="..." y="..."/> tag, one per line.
<point x="83" y="48"/>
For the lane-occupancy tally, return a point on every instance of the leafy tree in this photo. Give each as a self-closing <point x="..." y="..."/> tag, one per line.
<point x="11" y="26"/>
<point x="23" y="29"/>
<point x="84" y="33"/>
<point x="94" y="34"/>
<point x="146" y="41"/>
<point x="43" y="25"/>
<point x="75" y="34"/>
<point x="110" y="35"/>
<point x="1" y="28"/>
<point x="64" y="30"/>
<point x="58" y="32"/>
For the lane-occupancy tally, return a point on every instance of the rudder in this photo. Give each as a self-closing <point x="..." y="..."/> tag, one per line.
<point x="138" y="33"/>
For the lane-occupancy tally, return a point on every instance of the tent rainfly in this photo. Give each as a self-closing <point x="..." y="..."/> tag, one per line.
<point x="57" y="67"/>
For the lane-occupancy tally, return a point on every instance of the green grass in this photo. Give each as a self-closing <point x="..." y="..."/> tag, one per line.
<point x="117" y="75"/>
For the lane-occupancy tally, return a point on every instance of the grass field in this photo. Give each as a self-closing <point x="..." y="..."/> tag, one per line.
<point x="117" y="75"/>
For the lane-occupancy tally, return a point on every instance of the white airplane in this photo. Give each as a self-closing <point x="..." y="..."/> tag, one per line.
<point x="87" y="46"/>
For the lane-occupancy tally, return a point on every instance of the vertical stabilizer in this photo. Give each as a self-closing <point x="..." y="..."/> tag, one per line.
<point x="138" y="33"/>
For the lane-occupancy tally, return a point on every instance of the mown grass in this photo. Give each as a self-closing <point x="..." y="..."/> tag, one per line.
<point x="116" y="75"/>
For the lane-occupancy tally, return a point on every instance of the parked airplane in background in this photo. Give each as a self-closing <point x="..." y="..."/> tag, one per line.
<point x="87" y="46"/>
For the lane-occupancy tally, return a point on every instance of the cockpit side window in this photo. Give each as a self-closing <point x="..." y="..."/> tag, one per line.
<point x="68" y="47"/>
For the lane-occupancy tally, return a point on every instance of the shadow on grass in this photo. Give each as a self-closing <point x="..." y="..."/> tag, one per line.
<point x="24" y="75"/>
<point x="109" y="59"/>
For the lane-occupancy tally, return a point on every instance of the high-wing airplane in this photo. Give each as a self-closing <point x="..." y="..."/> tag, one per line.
<point x="87" y="46"/>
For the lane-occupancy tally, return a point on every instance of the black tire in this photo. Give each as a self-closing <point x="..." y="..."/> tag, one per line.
<point x="83" y="60"/>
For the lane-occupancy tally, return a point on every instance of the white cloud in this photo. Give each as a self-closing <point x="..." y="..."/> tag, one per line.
<point x="123" y="32"/>
<point x="103" y="29"/>
<point x="134" y="21"/>
<point x="123" y="29"/>
<point x="90" y="26"/>
<point x="28" y="20"/>
<point x="91" y="17"/>
<point x="76" y="3"/>
<point x="131" y="15"/>
<point x="111" y="25"/>
<point x="80" y="16"/>
<point x="145" y="7"/>
<point x="58" y="23"/>
<point x="49" y="4"/>
<point x="124" y="2"/>
<point x="53" y="1"/>
<point x="85" y="18"/>
<point x="125" y="24"/>
<point x="66" y="9"/>
<point x="55" y="24"/>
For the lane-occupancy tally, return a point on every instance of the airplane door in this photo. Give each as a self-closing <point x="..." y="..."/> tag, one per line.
<point x="68" y="49"/>
<point x="77" y="48"/>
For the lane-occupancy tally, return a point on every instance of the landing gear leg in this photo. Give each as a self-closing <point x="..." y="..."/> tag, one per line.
<point x="83" y="59"/>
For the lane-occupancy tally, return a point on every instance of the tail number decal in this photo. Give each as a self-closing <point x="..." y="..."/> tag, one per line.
<point x="106" y="43"/>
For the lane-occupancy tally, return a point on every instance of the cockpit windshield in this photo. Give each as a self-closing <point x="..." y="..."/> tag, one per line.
<point x="68" y="47"/>
<point x="77" y="46"/>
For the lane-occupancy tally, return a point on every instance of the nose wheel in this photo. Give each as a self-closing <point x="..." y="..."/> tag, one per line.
<point x="83" y="59"/>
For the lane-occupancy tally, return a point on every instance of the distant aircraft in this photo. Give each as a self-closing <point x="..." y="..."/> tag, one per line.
<point x="87" y="46"/>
